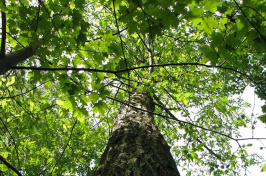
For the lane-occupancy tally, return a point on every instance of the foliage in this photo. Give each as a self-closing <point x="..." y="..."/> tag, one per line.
<point x="264" y="168"/>
<point x="263" y="117"/>
<point x="193" y="57"/>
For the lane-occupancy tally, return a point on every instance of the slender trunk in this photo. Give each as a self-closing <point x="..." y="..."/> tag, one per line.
<point x="136" y="146"/>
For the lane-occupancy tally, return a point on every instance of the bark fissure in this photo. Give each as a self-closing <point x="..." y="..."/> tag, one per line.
<point x="136" y="146"/>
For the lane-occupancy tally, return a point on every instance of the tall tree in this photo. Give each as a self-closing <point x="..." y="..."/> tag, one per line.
<point x="66" y="66"/>
<point x="136" y="146"/>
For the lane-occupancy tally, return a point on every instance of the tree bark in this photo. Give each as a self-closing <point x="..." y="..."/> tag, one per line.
<point x="136" y="146"/>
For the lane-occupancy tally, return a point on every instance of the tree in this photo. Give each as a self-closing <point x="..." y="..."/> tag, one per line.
<point x="67" y="66"/>
<point x="136" y="146"/>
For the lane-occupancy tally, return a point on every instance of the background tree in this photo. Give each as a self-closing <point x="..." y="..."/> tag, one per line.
<point x="67" y="65"/>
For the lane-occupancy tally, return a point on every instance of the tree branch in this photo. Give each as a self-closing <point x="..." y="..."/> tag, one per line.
<point x="10" y="166"/>
<point x="3" y="41"/>
<point x="16" y="57"/>
<point x="23" y="93"/>
<point x="121" y="41"/>
<point x="173" y="117"/>
<point x="250" y="21"/>
<point x="13" y="140"/>
<point x="132" y="68"/>
<point x="65" y="146"/>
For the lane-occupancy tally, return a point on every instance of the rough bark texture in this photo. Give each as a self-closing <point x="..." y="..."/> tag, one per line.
<point x="136" y="146"/>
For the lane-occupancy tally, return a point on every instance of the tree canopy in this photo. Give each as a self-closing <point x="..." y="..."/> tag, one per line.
<point x="67" y="65"/>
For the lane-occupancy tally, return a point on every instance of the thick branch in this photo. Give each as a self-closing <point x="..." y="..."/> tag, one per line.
<point x="15" y="57"/>
<point x="132" y="68"/>
<point x="9" y="165"/>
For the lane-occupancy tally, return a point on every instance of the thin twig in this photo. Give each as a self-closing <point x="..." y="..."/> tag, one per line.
<point x="65" y="147"/>
<point x="172" y="115"/>
<point x="23" y="93"/>
<point x="121" y="41"/>
<point x="250" y="21"/>
<point x="13" y="140"/>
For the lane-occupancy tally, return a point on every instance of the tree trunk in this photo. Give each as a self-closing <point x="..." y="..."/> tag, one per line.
<point x="136" y="146"/>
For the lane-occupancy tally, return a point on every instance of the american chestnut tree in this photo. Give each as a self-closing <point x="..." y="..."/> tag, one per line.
<point x="152" y="87"/>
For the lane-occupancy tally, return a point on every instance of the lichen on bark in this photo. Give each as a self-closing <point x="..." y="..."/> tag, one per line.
<point x="136" y="146"/>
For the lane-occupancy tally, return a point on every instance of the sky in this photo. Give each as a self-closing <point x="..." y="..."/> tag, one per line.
<point x="259" y="132"/>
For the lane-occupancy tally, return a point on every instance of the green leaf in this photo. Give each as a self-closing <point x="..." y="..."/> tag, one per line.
<point x="121" y="65"/>
<point x="68" y="104"/>
<point x="100" y="107"/>
<point x="263" y="108"/>
<point x="209" y="55"/>
<point x="108" y="36"/>
<point x="200" y="145"/>
<point x="194" y="155"/>
<point x="100" y="76"/>
<point x="49" y="160"/>
<point x="77" y="61"/>
<point x="233" y="108"/>
<point x="116" y="49"/>
<point x="10" y="80"/>
<point x="211" y="5"/>
<point x="80" y="117"/>
<point x="60" y="102"/>
<point x="98" y="58"/>
<point x="220" y="108"/>
<point x="262" y="118"/>
<point x="93" y="97"/>
<point x="249" y="145"/>
<point x="264" y="168"/>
